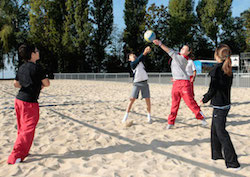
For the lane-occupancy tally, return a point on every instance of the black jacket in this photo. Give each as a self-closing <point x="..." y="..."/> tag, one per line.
<point x="30" y="76"/>
<point x="220" y="87"/>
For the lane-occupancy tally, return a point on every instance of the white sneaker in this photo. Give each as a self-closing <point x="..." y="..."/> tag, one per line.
<point x="169" y="126"/>
<point x="234" y="169"/>
<point x="18" y="160"/>
<point x="125" y="118"/>
<point x="123" y="121"/>
<point x="203" y="123"/>
<point x="150" y="121"/>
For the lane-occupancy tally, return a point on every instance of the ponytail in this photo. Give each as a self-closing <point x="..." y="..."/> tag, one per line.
<point x="224" y="53"/>
<point x="227" y="66"/>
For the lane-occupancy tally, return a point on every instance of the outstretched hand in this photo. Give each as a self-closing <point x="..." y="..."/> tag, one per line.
<point x="147" y="50"/>
<point x="157" y="42"/>
<point x="201" y="103"/>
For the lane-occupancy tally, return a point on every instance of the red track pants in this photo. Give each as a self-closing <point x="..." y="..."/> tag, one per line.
<point x="182" y="89"/>
<point x="27" y="118"/>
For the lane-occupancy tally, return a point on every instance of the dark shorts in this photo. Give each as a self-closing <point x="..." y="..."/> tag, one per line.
<point x="140" y="86"/>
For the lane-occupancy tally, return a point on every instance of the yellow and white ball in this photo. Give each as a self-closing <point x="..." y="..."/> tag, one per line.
<point x="149" y="36"/>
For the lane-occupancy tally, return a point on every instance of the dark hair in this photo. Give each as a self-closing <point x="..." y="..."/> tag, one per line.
<point x="190" y="55"/>
<point x="129" y="55"/>
<point x="224" y="52"/>
<point x="25" y="51"/>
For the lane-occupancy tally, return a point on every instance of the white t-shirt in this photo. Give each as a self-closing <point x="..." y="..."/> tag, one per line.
<point x="140" y="73"/>
<point x="190" y="68"/>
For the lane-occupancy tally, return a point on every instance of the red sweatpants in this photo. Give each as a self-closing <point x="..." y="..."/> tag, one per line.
<point x="182" y="89"/>
<point x="27" y="118"/>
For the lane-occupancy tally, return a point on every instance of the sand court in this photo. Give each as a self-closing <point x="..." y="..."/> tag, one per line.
<point x="80" y="133"/>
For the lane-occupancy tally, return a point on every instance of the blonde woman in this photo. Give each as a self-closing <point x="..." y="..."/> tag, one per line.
<point x="220" y="95"/>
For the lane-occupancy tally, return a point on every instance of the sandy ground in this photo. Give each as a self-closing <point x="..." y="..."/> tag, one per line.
<point x="80" y="133"/>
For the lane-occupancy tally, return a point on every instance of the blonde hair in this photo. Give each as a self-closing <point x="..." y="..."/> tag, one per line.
<point x="223" y="52"/>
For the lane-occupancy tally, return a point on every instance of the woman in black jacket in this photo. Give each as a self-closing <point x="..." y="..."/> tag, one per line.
<point x="219" y="93"/>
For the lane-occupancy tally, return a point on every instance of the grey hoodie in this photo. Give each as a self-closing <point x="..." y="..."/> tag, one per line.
<point x="178" y="66"/>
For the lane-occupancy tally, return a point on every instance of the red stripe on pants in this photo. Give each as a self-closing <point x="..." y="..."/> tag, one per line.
<point x="192" y="85"/>
<point x="182" y="89"/>
<point x="27" y="118"/>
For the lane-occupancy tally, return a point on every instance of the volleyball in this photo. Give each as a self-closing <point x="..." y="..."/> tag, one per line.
<point x="149" y="36"/>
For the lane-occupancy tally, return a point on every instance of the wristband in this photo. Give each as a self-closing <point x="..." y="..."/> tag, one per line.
<point x="160" y="43"/>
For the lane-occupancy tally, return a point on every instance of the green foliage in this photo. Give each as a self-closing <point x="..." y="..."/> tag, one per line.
<point x="134" y="17"/>
<point x="246" y="22"/>
<point x="46" y="21"/>
<point x="102" y="19"/>
<point x="157" y="19"/>
<point x="62" y="30"/>
<point x="13" y="28"/>
<point x="76" y="37"/>
<point x="181" y="21"/>
<point x="211" y="14"/>
<point x="114" y="61"/>
<point x="234" y="34"/>
<point x="79" y="35"/>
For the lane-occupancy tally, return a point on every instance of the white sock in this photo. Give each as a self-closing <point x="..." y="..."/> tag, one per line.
<point x="18" y="160"/>
<point x="202" y="115"/>
<point x="125" y="117"/>
<point x="149" y="117"/>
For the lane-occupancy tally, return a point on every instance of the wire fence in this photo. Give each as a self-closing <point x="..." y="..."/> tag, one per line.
<point x="240" y="79"/>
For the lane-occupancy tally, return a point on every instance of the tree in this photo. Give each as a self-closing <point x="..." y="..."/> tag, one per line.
<point x="211" y="14"/>
<point x="202" y="47"/>
<point x="157" y="19"/>
<point x="134" y="17"/>
<point x="181" y="21"/>
<point x="13" y="28"/>
<point x="234" y="34"/>
<point x="83" y="34"/>
<point x="102" y="19"/>
<point x="246" y="21"/>
<point x="69" y="36"/>
<point x="76" y="36"/>
<point x="46" y="31"/>
<point x="115" y="60"/>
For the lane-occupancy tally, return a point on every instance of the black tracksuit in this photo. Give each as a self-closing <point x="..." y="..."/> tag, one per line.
<point x="219" y="93"/>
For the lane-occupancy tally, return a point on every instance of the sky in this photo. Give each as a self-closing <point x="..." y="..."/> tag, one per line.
<point x="238" y="7"/>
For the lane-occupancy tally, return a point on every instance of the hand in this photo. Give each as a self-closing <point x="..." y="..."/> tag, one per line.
<point x="157" y="42"/>
<point x="172" y="79"/>
<point x="147" y="50"/>
<point x="192" y="79"/>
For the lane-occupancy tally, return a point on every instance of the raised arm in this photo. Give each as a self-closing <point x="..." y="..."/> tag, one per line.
<point x="159" y="43"/>
<point x="133" y="64"/>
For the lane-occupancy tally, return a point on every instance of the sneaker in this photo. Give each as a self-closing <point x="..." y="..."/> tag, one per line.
<point x="203" y="123"/>
<point x="169" y="126"/>
<point x="125" y="118"/>
<point x="234" y="168"/>
<point x="218" y="158"/>
<point x="150" y="121"/>
<point x="18" y="160"/>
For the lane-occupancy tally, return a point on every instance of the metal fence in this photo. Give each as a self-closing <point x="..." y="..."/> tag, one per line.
<point x="245" y="62"/>
<point x="240" y="79"/>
